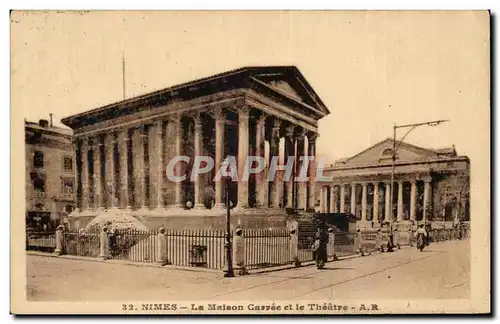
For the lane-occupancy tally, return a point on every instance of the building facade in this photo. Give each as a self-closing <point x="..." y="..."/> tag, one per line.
<point x="50" y="174"/>
<point x="429" y="185"/>
<point x="123" y="149"/>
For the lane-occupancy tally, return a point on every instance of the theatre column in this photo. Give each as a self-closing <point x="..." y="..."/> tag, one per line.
<point x="388" y="207"/>
<point x="322" y="199"/>
<point x="289" y="151"/>
<point x="123" y="143"/>
<point x="260" y="140"/>
<point x="84" y="155"/>
<point x="427" y="197"/>
<point x="311" y="170"/>
<point x="301" y="185"/>
<point x="155" y="154"/>
<point x="274" y="154"/>
<point x="96" y="157"/>
<point x="363" y="201"/>
<point x="353" y="198"/>
<point x="413" y="200"/>
<point x="198" y="151"/>
<point x="109" y="166"/>
<point x="220" y="121"/>
<point x="333" y="199"/>
<point x="375" y="202"/>
<point x="243" y="145"/>
<point x="342" y="198"/>
<point x="138" y="167"/>
<point x="400" y="201"/>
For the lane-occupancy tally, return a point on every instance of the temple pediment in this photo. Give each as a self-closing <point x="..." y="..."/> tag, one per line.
<point x="382" y="153"/>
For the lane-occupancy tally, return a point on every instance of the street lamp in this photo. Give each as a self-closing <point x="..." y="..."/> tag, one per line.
<point x="395" y="148"/>
<point x="229" y="251"/>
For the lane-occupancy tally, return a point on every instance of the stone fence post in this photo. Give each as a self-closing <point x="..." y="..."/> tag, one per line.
<point x="331" y="245"/>
<point x="59" y="240"/>
<point x="239" y="251"/>
<point x="161" y="245"/>
<point x="357" y="242"/>
<point x="104" y="244"/>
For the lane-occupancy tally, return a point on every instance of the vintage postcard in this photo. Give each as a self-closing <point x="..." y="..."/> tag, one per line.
<point x="250" y="162"/>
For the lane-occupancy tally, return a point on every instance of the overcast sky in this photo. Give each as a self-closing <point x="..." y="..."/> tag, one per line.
<point x="371" y="69"/>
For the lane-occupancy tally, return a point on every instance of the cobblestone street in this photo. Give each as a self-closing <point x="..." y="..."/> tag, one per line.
<point x="440" y="271"/>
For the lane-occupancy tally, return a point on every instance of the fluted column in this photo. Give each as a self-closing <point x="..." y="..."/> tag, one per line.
<point x="178" y="168"/>
<point x="274" y="152"/>
<point x="353" y="198"/>
<point x="400" y="200"/>
<point x="138" y="167"/>
<point x="413" y="200"/>
<point x="427" y="195"/>
<point x="261" y="183"/>
<point x="311" y="171"/>
<point x="363" y="201"/>
<point x="342" y="198"/>
<point x="289" y="151"/>
<point x="155" y="152"/>
<point x="243" y="146"/>
<point x="198" y="151"/>
<point x="388" y="207"/>
<point x="375" y="202"/>
<point x="109" y="166"/>
<point x="123" y="142"/>
<point x="220" y="121"/>
<point x="96" y="157"/>
<point x="84" y="150"/>
<point x="300" y="185"/>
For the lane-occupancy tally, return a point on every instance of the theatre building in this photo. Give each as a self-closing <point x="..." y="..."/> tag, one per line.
<point x="123" y="149"/>
<point x="50" y="174"/>
<point x="429" y="185"/>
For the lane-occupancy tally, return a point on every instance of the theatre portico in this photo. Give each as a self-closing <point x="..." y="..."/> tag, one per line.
<point x="123" y="149"/>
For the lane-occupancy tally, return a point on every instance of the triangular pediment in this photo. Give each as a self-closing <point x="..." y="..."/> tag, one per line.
<point x="382" y="152"/>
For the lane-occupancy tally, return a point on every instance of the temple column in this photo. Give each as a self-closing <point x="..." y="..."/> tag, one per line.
<point x="363" y="201"/>
<point x="300" y="185"/>
<point x="413" y="200"/>
<point x="109" y="166"/>
<point x="375" y="202"/>
<point x="123" y="141"/>
<point x="260" y="141"/>
<point x="220" y="121"/>
<point x="311" y="171"/>
<point x="427" y="192"/>
<point x="342" y="198"/>
<point x="322" y="200"/>
<point x="274" y="153"/>
<point x="178" y="168"/>
<point x="155" y="152"/>
<point x="289" y="151"/>
<point x="84" y="150"/>
<point x="138" y="167"/>
<point x="333" y="200"/>
<point x="400" y="201"/>
<point x="243" y="146"/>
<point x="353" y="198"/>
<point x="198" y="151"/>
<point x="388" y="207"/>
<point x="96" y="157"/>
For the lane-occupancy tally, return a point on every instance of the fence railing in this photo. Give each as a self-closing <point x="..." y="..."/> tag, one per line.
<point x="266" y="248"/>
<point x="42" y="241"/>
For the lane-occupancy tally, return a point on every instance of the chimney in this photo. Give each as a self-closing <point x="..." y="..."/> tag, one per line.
<point x="51" y="125"/>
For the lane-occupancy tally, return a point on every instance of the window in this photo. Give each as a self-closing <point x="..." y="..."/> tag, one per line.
<point x="68" y="164"/>
<point x="39" y="184"/>
<point x="387" y="152"/>
<point x="38" y="159"/>
<point x="67" y="186"/>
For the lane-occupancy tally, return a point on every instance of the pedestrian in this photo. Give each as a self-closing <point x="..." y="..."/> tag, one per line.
<point x="320" y="246"/>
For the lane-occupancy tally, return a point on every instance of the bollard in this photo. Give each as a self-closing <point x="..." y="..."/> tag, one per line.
<point x="161" y="247"/>
<point x="239" y="251"/>
<point x="59" y="240"/>
<point x="104" y="243"/>
<point x="294" y="246"/>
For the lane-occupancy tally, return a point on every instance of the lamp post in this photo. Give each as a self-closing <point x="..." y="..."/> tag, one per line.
<point x="396" y="147"/>
<point x="229" y="251"/>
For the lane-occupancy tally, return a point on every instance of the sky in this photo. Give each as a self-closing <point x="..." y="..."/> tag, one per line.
<point x="371" y="69"/>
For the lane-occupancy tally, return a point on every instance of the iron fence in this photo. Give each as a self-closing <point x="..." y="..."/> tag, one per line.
<point x="40" y="241"/>
<point x="82" y="242"/>
<point x="266" y="248"/>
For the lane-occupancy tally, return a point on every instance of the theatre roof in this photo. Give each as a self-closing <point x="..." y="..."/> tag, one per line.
<point x="287" y="82"/>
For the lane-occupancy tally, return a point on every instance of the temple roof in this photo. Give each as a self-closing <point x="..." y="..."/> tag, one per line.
<point x="284" y="81"/>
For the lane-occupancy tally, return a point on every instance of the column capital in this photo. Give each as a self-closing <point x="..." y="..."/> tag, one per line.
<point x="218" y="113"/>
<point x="312" y="137"/>
<point x="262" y="118"/>
<point x="289" y="130"/>
<point x="158" y="123"/>
<point x="242" y="108"/>
<point x="300" y="133"/>
<point x="427" y="179"/>
<point x="276" y="123"/>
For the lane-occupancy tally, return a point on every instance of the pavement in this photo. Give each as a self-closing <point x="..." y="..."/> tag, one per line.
<point x="441" y="271"/>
